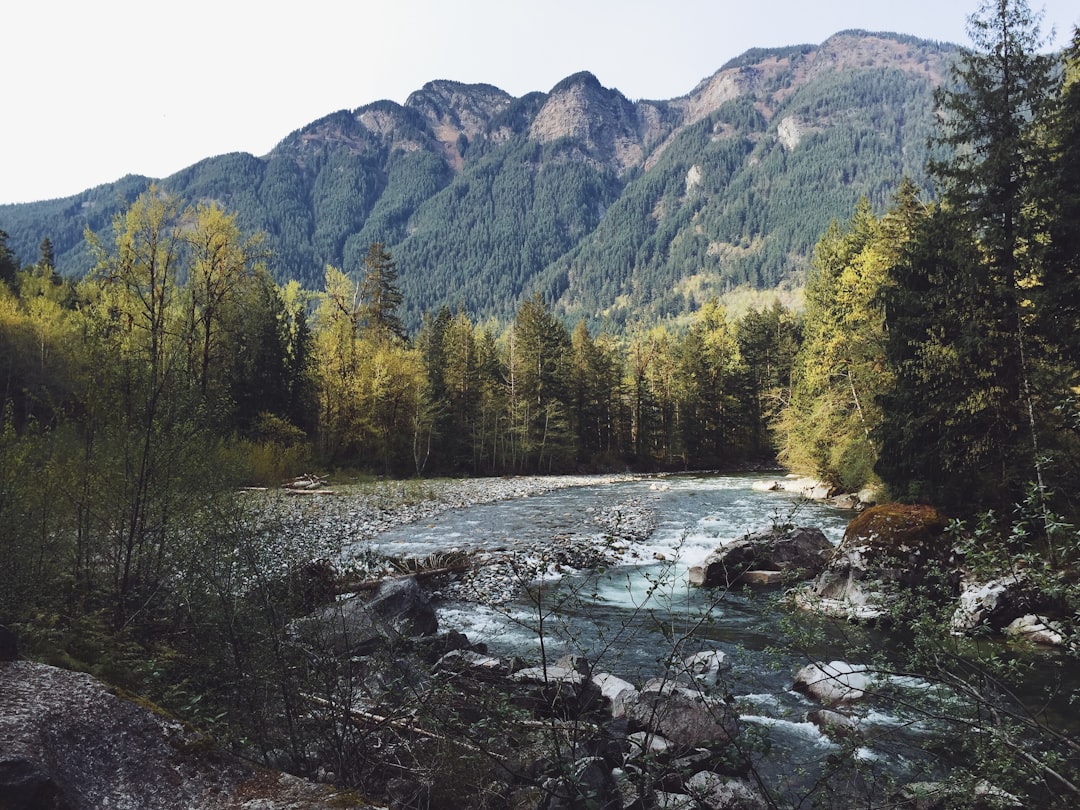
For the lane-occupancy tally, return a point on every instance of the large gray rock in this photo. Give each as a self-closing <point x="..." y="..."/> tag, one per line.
<point x="398" y="609"/>
<point x="999" y="603"/>
<point x="68" y="743"/>
<point x="589" y="782"/>
<point x="707" y="666"/>
<point x="683" y="715"/>
<point x="799" y="553"/>
<point x="564" y="689"/>
<point x="723" y="793"/>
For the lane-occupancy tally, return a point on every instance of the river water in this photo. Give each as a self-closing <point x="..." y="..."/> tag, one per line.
<point x="635" y="619"/>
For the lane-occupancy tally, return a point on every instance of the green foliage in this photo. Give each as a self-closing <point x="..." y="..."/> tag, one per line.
<point x="830" y="425"/>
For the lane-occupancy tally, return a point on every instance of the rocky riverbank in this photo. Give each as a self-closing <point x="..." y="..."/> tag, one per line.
<point x="338" y="525"/>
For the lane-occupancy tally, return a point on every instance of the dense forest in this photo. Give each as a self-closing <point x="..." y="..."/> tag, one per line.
<point x="935" y="358"/>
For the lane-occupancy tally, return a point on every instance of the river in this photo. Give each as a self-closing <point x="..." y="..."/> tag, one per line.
<point x="635" y="619"/>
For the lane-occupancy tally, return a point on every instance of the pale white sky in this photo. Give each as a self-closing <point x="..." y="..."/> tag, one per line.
<point x="96" y="89"/>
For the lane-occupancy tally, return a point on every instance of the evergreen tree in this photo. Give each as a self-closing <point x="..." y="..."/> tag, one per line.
<point x="9" y="263"/>
<point x="960" y="341"/>
<point x="768" y="341"/>
<point x="46" y="255"/>
<point x="379" y="294"/>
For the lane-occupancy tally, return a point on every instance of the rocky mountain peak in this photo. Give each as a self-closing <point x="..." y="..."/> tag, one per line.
<point x="603" y="121"/>
<point x="454" y="111"/>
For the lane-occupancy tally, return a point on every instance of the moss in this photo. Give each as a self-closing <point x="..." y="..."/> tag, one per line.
<point x="893" y="526"/>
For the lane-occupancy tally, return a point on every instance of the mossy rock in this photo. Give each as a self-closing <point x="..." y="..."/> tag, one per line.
<point x="902" y="543"/>
<point x="897" y="527"/>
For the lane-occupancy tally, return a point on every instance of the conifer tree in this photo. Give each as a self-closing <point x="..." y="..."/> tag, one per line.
<point x="379" y="294"/>
<point x="965" y="402"/>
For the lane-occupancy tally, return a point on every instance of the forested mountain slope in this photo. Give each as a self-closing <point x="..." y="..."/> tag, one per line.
<point x="612" y="208"/>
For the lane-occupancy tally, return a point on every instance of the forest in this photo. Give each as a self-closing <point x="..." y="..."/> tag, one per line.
<point x="935" y="360"/>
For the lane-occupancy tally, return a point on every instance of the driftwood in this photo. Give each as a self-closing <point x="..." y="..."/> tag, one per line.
<point x="308" y="485"/>
<point x="372" y="584"/>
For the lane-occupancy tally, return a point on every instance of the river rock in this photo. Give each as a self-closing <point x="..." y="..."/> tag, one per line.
<point x="646" y="743"/>
<point x="799" y="552"/>
<point x="943" y="795"/>
<point x="707" y="666"/>
<point x="995" y="604"/>
<point x="723" y="792"/>
<point x="398" y="609"/>
<point x="683" y="715"/>
<point x="481" y="665"/>
<point x="563" y="689"/>
<point x="674" y="801"/>
<point x="589" y="783"/>
<point x="616" y="691"/>
<point x="834" y="682"/>
<point x="1037" y="630"/>
<point x="888" y="549"/>
<point x="833" y="724"/>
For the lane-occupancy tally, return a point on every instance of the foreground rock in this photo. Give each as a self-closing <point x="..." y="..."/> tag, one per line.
<point x="887" y="550"/>
<point x="684" y="715"/>
<point x="68" y="743"/>
<point x="794" y="553"/>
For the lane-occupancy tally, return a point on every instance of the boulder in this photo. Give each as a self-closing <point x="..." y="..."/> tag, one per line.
<point x="615" y="690"/>
<point x="833" y="683"/>
<point x="674" y="801"/>
<point x="1037" y="630"/>
<point x="398" y="609"/>
<point x="762" y="578"/>
<point x="723" y="792"/>
<point x="833" y="724"/>
<point x="480" y="665"/>
<point x="944" y="795"/>
<point x="645" y="743"/>
<point x="563" y="689"/>
<point x="995" y="604"/>
<point x="589" y="783"/>
<point x="798" y="553"/>
<point x="570" y="669"/>
<point x="707" y="666"/>
<point x="683" y="715"/>
<point x="886" y="550"/>
<point x="66" y="741"/>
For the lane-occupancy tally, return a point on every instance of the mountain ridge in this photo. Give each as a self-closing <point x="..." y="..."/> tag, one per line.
<point x="613" y="209"/>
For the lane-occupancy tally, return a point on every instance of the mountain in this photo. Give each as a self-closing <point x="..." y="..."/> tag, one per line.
<point x="613" y="209"/>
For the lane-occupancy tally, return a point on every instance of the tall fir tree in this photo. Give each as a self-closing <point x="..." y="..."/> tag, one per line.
<point x="965" y="404"/>
<point x="379" y="294"/>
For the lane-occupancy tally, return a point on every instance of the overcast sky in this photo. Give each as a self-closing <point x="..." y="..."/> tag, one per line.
<point x="96" y="90"/>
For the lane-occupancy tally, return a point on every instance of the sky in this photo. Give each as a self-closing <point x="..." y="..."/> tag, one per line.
<point x="97" y="89"/>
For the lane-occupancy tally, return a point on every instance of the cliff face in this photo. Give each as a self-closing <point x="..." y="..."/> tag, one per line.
<point x="67" y="743"/>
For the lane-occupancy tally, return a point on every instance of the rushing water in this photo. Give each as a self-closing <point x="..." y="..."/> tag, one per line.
<point x="635" y="620"/>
